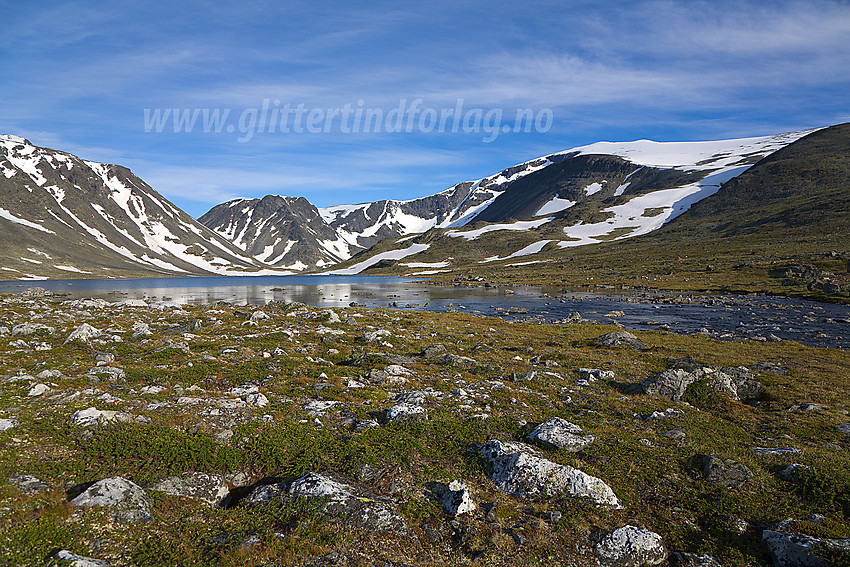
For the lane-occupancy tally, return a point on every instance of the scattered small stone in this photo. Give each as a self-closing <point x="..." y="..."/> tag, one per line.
<point x="668" y="413"/>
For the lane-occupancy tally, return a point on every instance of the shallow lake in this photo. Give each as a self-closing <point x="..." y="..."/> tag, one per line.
<point x="725" y="317"/>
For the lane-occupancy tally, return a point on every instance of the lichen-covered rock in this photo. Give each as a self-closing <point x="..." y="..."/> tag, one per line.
<point x="517" y="469"/>
<point x="630" y="546"/>
<point x="31" y="329"/>
<point x="557" y="433"/>
<point x="28" y="484"/>
<point x="265" y="493"/>
<point x="460" y="361"/>
<point x="457" y="500"/>
<point x="67" y="559"/>
<point x="617" y="338"/>
<point x="6" y="424"/>
<point x="83" y="333"/>
<point x="792" y="549"/>
<point x="682" y="559"/>
<point x="127" y="500"/>
<point x="406" y="412"/>
<point x="434" y="350"/>
<point x="92" y="416"/>
<point x="257" y="399"/>
<point x="358" y="508"/>
<point x="738" y="383"/>
<point x="725" y="472"/>
<point x="209" y="488"/>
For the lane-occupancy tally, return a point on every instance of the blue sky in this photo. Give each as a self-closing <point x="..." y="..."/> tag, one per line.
<point x="79" y="76"/>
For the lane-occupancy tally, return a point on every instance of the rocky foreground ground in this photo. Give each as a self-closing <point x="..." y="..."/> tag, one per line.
<point x="222" y="435"/>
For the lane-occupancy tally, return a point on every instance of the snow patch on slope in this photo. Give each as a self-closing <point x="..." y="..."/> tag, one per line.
<point x="390" y="255"/>
<point x="18" y="220"/>
<point x="519" y="225"/>
<point x="556" y="205"/>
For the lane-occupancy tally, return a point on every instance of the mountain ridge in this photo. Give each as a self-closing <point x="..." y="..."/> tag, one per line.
<point x="62" y="215"/>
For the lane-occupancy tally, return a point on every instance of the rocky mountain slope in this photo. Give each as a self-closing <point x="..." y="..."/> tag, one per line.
<point x="588" y="195"/>
<point x="61" y="216"/>
<point x="266" y="227"/>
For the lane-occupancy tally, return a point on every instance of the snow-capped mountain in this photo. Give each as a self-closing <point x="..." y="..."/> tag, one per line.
<point x="61" y="215"/>
<point x="287" y="232"/>
<point x="602" y="191"/>
<point x="290" y="233"/>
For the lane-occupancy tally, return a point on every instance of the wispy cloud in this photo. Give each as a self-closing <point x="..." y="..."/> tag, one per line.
<point x="79" y="77"/>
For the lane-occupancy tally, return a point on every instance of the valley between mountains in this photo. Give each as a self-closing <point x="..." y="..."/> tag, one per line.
<point x="604" y="214"/>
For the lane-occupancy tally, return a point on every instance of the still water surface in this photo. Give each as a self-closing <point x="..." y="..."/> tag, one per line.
<point x="726" y="317"/>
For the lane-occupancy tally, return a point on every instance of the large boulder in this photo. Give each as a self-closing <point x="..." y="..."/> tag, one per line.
<point x="209" y="488"/>
<point x="725" y="472"/>
<point x="357" y="507"/>
<point x="738" y="383"/>
<point x="618" y="338"/>
<point x="793" y="549"/>
<point x="127" y="500"/>
<point x="31" y="329"/>
<point x="630" y="546"/>
<point x="83" y="333"/>
<point x="516" y="468"/>
<point x="557" y="433"/>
